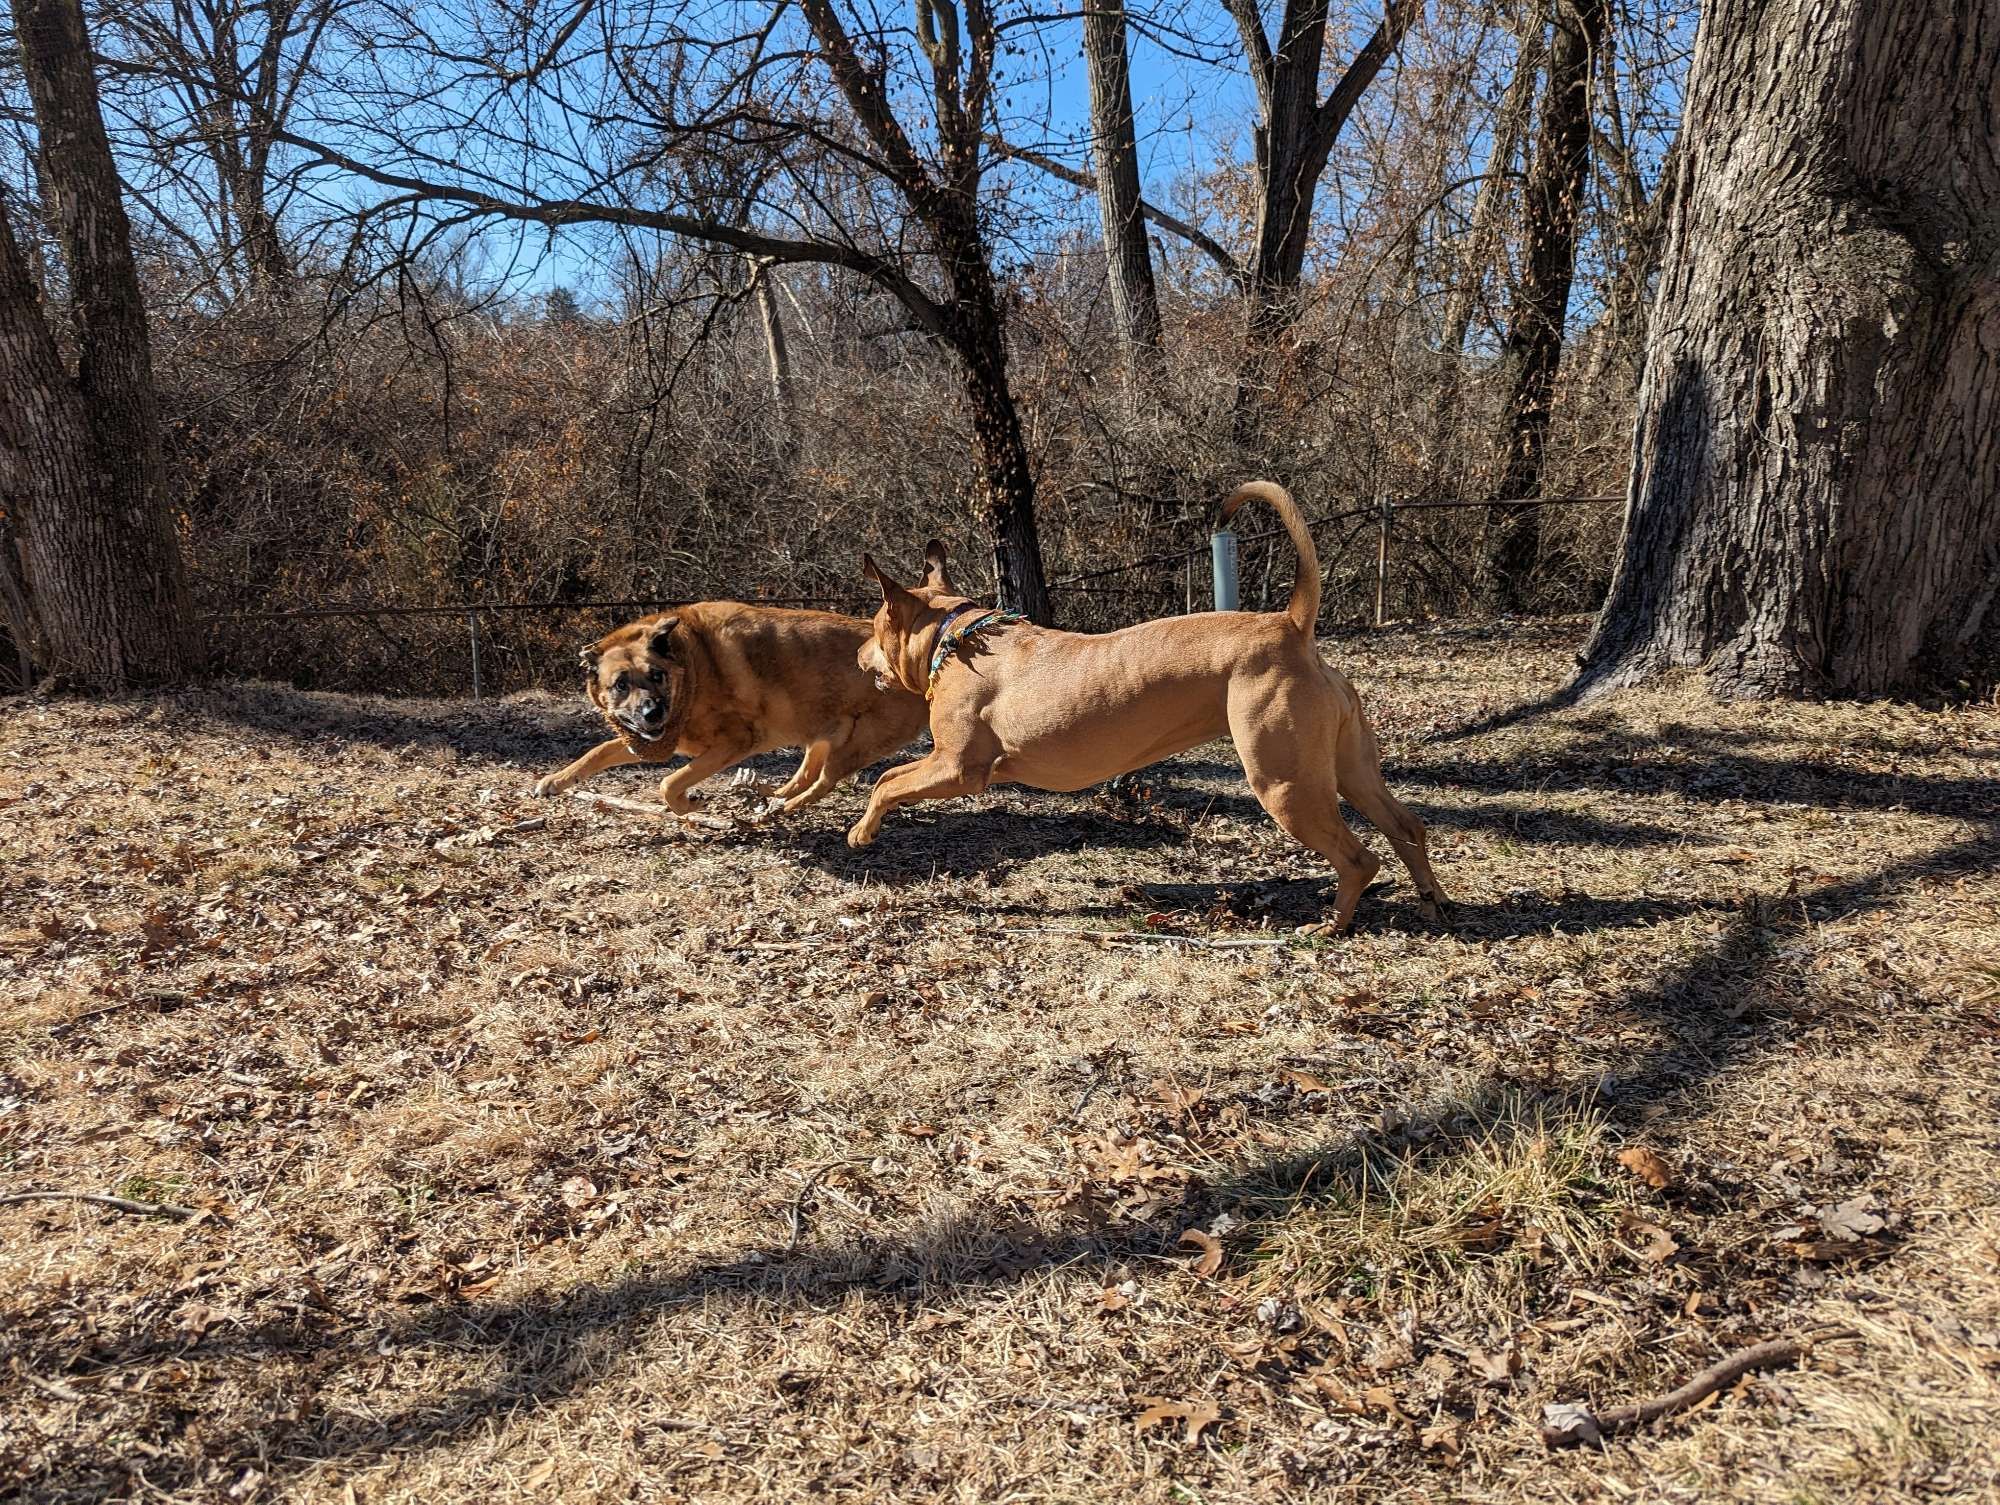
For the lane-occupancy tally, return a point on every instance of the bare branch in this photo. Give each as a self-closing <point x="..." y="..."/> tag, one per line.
<point x="1171" y="223"/>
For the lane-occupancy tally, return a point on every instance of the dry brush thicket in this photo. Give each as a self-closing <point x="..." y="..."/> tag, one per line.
<point x="511" y="458"/>
<point x="547" y="1151"/>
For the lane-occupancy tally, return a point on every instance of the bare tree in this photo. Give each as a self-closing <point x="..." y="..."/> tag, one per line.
<point x="1533" y="348"/>
<point x="1815" y="498"/>
<point x="862" y="192"/>
<point x="1135" y="304"/>
<point x="80" y="456"/>
<point x="203" y="88"/>
<point x="1295" y="136"/>
<point x="1484" y="231"/>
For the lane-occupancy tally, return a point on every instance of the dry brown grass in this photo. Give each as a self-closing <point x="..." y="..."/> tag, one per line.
<point x="606" y="1160"/>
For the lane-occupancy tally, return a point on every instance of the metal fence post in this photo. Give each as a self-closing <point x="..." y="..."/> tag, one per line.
<point x="1222" y="550"/>
<point x="1384" y="511"/>
<point x="472" y="629"/>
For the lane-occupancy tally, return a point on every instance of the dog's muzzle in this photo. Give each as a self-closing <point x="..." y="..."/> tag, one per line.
<point x="646" y="722"/>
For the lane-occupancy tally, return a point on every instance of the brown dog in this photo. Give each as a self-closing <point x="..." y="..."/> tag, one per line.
<point x="1063" y="710"/>
<point x="721" y="682"/>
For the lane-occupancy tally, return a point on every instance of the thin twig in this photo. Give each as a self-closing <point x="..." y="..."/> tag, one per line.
<point x="795" y="1214"/>
<point x="100" y="1199"/>
<point x="58" y="1390"/>
<point x="1568" y="1425"/>
<point x="696" y="820"/>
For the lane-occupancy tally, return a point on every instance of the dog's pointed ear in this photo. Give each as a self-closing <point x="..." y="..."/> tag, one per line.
<point x="586" y="659"/>
<point x="659" y="642"/>
<point x="891" y="591"/>
<point x="937" y="576"/>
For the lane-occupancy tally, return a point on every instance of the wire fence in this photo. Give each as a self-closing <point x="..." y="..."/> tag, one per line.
<point x="1132" y="589"/>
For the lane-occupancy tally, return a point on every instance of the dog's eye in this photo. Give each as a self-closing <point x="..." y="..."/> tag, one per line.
<point x="621" y="684"/>
<point x="658" y="675"/>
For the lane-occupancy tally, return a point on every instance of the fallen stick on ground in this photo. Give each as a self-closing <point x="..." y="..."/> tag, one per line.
<point x="1571" y="1422"/>
<point x="660" y="813"/>
<point x="614" y="802"/>
<point x="1142" y="938"/>
<point x="100" y="1199"/>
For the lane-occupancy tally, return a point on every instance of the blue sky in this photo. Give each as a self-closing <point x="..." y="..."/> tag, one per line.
<point x="1188" y="115"/>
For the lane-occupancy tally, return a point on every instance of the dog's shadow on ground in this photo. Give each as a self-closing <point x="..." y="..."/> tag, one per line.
<point x="1216" y="910"/>
<point x="965" y="841"/>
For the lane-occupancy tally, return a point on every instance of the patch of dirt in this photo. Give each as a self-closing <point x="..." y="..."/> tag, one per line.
<point x="1037" y="1152"/>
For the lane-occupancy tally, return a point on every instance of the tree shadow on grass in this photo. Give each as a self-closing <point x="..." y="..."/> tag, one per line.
<point x="548" y="1348"/>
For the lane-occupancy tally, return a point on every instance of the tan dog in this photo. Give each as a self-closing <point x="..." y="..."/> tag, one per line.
<point x="1062" y="710"/>
<point x="721" y="682"/>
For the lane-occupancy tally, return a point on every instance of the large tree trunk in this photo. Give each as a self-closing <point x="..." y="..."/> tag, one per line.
<point x="1534" y="345"/>
<point x="1815" y="500"/>
<point x="83" y="457"/>
<point x="1135" y="305"/>
<point x="1007" y="477"/>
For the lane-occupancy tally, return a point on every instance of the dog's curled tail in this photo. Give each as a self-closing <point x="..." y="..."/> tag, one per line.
<point x="1303" y="609"/>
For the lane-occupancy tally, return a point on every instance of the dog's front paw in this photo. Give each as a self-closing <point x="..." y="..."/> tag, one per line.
<point x="548" y="786"/>
<point x="861" y="835"/>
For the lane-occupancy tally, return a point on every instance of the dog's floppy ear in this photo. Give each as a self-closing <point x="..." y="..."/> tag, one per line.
<point x="659" y="642"/>
<point x="937" y="577"/>
<point x="586" y="659"/>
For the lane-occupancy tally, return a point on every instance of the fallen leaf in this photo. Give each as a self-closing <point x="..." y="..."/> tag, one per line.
<point x="1495" y="1368"/>
<point x="1648" y="1167"/>
<point x="1852" y="1220"/>
<point x="1199" y="1415"/>
<point x="1442" y="1437"/>
<point x="1304" y="1081"/>
<point x="1484" y="1230"/>
<point x="1655" y="1246"/>
<point x="540" y="1474"/>
<point x="1565" y="1423"/>
<point x="1382" y="1398"/>
<point x="1211" y="1251"/>
<point x="917" y="1130"/>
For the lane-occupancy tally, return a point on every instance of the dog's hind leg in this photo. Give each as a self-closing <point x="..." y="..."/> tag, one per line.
<point x="841" y="763"/>
<point x="609" y="754"/>
<point x="808" y="774"/>
<point x="1288" y="773"/>
<point x="1358" y="762"/>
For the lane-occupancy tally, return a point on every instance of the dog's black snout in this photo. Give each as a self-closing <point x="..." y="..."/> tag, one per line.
<point x="654" y="710"/>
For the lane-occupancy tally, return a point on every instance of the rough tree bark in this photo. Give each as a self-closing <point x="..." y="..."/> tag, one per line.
<point x="1135" y="304"/>
<point x="81" y="457"/>
<point x="1815" y="501"/>
<point x="1532" y="352"/>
